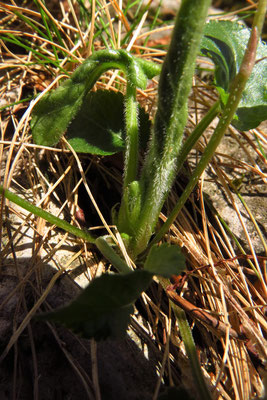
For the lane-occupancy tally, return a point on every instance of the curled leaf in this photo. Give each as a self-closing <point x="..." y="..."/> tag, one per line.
<point x="54" y="112"/>
<point x="225" y="43"/>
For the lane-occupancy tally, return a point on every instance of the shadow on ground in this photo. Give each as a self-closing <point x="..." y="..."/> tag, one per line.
<point x="63" y="366"/>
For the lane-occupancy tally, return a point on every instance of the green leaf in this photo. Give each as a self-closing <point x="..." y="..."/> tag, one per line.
<point x="99" y="126"/>
<point x="53" y="113"/>
<point x="103" y="309"/>
<point x="225" y="43"/>
<point x="165" y="260"/>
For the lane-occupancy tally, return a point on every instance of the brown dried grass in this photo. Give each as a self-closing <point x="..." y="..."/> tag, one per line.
<point x="224" y="281"/>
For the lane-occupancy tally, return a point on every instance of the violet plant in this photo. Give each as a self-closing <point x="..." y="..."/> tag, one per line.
<point x="103" y="309"/>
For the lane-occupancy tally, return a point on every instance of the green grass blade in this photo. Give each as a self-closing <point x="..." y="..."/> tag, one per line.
<point x="26" y="205"/>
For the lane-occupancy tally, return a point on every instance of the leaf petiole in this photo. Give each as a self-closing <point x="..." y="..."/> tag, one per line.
<point x="197" y="132"/>
<point x="132" y="140"/>
<point x="112" y="256"/>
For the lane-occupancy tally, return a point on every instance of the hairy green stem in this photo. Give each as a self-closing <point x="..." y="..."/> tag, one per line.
<point x="225" y="120"/>
<point x="174" y="88"/>
<point x="259" y="17"/>
<point x="129" y="211"/>
<point x="126" y="216"/>
<point x="47" y="216"/>
<point x="132" y="140"/>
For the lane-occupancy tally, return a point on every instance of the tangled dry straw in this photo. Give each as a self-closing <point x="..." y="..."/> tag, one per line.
<point x="224" y="287"/>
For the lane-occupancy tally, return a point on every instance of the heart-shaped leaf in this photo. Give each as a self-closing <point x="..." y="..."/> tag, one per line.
<point x="165" y="260"/>
<point x="225" y="43"/>
<point x="99" y="126"/>
<point x="103" y="309"/>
